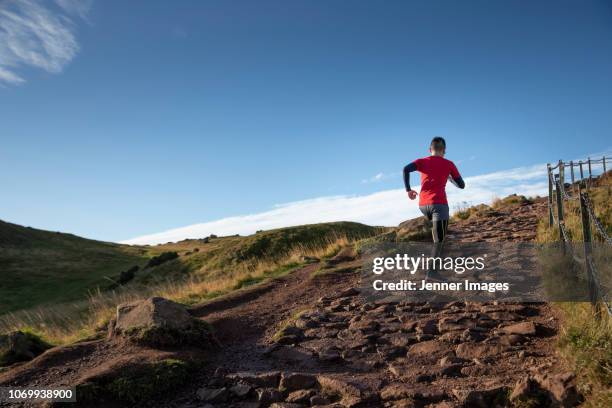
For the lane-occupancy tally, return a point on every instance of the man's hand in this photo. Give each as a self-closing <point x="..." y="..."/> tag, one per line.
<point x="412" y="194"/>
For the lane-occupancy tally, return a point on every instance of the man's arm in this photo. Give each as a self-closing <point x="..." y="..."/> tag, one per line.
<point x="407" y="170"/>
<point x="455" y="177"/>
<point x="458" y="182"/>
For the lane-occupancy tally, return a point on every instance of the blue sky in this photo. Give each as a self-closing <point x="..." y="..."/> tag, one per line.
<point x="121" y="119"/>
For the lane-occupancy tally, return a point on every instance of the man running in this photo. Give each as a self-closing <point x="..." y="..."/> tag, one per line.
<point x="435" y="171"/>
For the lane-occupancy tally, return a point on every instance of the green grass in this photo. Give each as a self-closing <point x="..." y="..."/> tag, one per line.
<point x="251" y="280"/>
<point x="286" y="324"/>
<point x="138" y="384"/>
<point x="324" y="270"/>
<point x="42" y="267"/>
<point x="585" y="341"/>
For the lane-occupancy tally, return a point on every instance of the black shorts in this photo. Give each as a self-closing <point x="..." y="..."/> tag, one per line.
<point x="435" y="212"/>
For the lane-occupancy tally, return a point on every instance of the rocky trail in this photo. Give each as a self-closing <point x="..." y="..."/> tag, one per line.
<point x="301" y="341"/>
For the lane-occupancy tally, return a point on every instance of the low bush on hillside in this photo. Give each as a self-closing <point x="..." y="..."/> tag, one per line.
<point x="20" y="346"/>
<point x="511" y="201"/>
<point x="127" y="276"/>
<point x="464" y="213"/>
<point x="161" y="258"/>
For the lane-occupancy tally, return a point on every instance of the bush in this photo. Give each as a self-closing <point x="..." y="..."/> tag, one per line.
<point x="511" y="200"/>
<point x="465" y="213"/>
<point x="20" y="346"/>
<point x="161" y="258"/>
<point x="126" y="276"/>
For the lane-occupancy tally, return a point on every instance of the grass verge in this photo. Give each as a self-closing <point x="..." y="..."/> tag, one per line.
<point x="585" y="340"/>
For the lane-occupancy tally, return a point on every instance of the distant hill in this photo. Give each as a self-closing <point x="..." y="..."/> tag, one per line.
<point x="43" y="267"/>
<point x="39" y="267"/>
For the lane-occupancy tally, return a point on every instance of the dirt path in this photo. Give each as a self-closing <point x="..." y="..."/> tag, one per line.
<point x="351" y="352"/>
<point x="517" y="223"/>
<point x="395" y="354"/>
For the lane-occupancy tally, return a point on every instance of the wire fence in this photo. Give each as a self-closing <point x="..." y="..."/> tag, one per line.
<point x="583" y="176"/>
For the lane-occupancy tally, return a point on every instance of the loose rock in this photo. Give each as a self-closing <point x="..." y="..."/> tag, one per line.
<point x="213" y="394"/>
<point x="296" y="381"/>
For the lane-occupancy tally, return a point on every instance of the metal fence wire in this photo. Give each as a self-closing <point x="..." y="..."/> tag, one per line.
<point x="598" y="226"/>
<point x="557" y="189"/>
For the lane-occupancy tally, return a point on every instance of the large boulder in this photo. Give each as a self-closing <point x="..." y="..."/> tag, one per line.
<point x="416" y="229"/>
<point x="19" y="346"/>
<point x="155" y="311"/>
<point x="160" y="322"/>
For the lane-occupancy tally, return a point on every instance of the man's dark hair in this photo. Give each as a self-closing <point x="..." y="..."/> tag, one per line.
<point x="438" y="144"/>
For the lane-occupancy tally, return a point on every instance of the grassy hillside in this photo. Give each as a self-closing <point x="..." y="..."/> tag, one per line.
<point x="40" y="267"/>
<point x="225" y="256"/>
<point x="585" y="341"/>
<point x="57" y="272"/>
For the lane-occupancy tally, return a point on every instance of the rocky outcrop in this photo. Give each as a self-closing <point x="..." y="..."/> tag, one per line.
<point x="160" y="322"/>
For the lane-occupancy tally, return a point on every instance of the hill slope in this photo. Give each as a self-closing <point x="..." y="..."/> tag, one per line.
<point x="40" y="267"/>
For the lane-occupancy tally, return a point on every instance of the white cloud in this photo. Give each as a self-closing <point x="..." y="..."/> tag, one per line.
<point x="388" y="207"/>
<point x="77" y="7"/>
<point x="379" y="177"/>
<point x="471" y="158"/>
<point x="37" y="34"/>
<point x="8" y="76"/>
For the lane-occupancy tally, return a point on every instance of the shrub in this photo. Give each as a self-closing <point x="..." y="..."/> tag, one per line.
<point x="20" y="346"/>
<point x="126" y="276"/>
<point x="510" y="201"/>
<point x="161" y="258"/>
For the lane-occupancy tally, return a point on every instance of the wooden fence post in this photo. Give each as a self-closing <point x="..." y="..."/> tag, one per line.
<point x="559" y="207"/>
<point x="587" y="238"/>
<point x="581" y="173"/>
<point x="590" y="174"/>
<point x="550" y="193"/>
<point x="562" y="175"/>
<point x="604" y="164"/>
